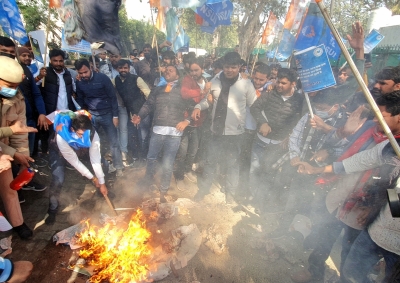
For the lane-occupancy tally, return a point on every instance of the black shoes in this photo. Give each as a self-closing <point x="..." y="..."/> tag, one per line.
<point x="23" y="231"/>
<point x="51" y="219"/>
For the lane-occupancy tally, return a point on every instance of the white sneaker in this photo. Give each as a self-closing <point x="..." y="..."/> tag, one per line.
<point x="111" y="169"/>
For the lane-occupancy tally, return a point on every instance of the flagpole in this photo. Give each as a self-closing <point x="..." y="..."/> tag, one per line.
<point x="47" y="40"/>
<point x="155" y="38"/>
<point x="359" y="78"/>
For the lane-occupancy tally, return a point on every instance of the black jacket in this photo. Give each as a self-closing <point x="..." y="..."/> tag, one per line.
<point x="130" y="93"/>
<point x="168" y="107"/>
<point x="282" y="115"/>
<point x="51" y="89"/>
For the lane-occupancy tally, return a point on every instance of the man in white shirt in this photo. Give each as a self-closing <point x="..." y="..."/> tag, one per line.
<point x="73" y="137"/>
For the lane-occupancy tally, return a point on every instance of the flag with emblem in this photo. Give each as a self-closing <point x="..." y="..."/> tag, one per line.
<point x="10" y="21"/>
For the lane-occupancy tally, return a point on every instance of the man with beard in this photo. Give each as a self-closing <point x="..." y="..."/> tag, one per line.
<point x="276" y="112"/>
<point x="111" y="70"/>
<point x="387" y="80"/>
<point x="168" y="107"/>
<point x="231" y="95"/>
<point x="95" y="93"/>
<point x="133" y="91"/>
<point x="57" y="91"/>
<point x="59" y="85"/>
<point x="35" y="110"/>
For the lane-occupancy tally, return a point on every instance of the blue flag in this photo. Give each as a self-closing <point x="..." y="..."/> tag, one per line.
<point x="286" y="46"/>
<point x="175" y="32"/>
<point x="314" y="69"/>
<point x="10" y="21"/>
<point x="216" y="14"/>
<point x="372" y="40"/>
<point x="315" y="31"/>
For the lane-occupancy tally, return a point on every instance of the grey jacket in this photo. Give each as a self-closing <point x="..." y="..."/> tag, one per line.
<point x="241" y="95"/>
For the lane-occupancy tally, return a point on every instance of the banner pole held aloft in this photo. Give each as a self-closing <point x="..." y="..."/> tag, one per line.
<point x="47" y="40"/>
<point x="359" y="78"/>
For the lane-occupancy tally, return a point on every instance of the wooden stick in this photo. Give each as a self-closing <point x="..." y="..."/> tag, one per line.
<point x="155" y="38"/>
<point x="47" y="40"/>
<point x="110" y="204"/>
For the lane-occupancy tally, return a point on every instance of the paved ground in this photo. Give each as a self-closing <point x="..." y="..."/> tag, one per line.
<point x="241" y="231"/>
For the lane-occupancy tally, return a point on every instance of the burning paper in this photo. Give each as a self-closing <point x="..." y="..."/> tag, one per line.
<point x="120" y="255"/>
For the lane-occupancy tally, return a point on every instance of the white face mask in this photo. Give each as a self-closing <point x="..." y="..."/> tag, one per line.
<point x="141" y="58"/>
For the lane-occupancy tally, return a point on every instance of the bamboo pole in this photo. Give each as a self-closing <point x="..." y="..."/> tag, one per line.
<point x="110" y="204"/>
<point x="47" y="40"/>
<point x="155" y="38"/>
<point x="359" y="78"/>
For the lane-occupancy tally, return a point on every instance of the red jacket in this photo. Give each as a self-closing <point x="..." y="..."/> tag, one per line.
<point x="191" y="90"/>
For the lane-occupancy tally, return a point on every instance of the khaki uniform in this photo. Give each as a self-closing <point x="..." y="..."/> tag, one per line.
<point x="12" y="110"/>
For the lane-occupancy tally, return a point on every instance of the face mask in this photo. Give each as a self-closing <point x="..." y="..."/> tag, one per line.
<point x="141" y="58"/>
<point x="322" y="114"/>
<point x="8" y="92"/>
<point x="135" y="54"/>
<point x="147" y="56"/>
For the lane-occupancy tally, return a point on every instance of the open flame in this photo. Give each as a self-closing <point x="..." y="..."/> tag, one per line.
<point x="120" y="254"/>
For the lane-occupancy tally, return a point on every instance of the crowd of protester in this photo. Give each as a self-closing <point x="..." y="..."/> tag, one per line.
<point x="243" y="127"/>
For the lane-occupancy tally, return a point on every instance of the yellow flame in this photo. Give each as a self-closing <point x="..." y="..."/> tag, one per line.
<point x="120" y="255"/>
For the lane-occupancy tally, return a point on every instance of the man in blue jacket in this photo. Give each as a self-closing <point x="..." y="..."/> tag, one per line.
<point x="95" y="93"/>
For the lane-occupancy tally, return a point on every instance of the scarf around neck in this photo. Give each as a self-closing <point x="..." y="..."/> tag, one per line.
<point x="221" y="108"/>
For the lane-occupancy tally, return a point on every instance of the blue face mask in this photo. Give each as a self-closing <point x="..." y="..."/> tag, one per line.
<point x="8" y="92"/>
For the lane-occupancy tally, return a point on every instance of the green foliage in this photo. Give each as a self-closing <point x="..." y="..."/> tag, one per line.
<point x="224" y="36"/>
<point x="134" y="33"/>
<point x="35" y="14"/>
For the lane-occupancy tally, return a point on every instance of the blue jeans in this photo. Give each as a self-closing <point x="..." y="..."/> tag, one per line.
<point x="187" y="152"/>
<point x="363" y="255"/>
<point x="224" y="150"/>
<point x="123" y="128"/>
<point x="106" y="122"/>
<point x="57" y="166"/>
<point x="327" y="234"/>
<point x="263" y="156"/>
<point x="31" y="136"/>
<point x="169" y="145"/>
<point x="140" y="145"/>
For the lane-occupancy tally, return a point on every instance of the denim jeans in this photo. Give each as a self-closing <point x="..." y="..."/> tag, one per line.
<point x="328" y="232"/>
<point x="106" y="122"/>
<point x="140" y="138"/>
<point x="187" y="152"/>
<point x="31" y="136"/>
<point x="245" y="156"/>
<point x="57" y="166"/>
<point x="263" y="156"/>
<point x="169" y="145"/>
<point x="123" y="121"/>
<point x="224" y="150"/>
<point x="363" y="255"/>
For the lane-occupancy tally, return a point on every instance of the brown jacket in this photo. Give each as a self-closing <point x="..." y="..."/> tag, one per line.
<point x="12" y="110"/>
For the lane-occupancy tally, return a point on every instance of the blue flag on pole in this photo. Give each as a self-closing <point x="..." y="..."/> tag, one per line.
<point x="216" y="14"/>
<point x="286" y="46"/>
<point x="372" y="40"/>
<point x="10" y="21"/>
<point x="314" y="31"/>
<point x="175" y="32"/>
<point x="314" y="69"/>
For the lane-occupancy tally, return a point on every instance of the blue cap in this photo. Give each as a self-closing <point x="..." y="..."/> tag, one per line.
<point x="6" y="269"/>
